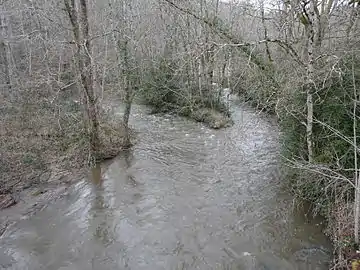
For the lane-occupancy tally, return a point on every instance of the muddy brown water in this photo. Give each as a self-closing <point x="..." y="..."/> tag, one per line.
<point x="185" y="197"/>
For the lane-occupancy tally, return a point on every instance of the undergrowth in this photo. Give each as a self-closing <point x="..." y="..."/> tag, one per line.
<point x="41" y="142"/>
<point x="327" y="182"/>
<point x="168" y="91"/>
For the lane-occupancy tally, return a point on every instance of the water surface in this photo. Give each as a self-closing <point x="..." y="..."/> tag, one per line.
<point x="186" y="197"/>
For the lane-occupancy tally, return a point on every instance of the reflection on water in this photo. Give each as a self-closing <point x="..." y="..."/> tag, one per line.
<point x="185" y="197"/>
<point x="96" y="175"/>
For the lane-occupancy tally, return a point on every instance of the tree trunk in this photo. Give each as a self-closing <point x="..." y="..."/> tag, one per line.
<point x="310" y="82"/>
<point x="87" y="81"/>
<point x="353" y="19"/>
<point x="125" y="66"/>
<point x="267" y="49"/>
<point x="80" y="25"/>
<point x="357" y="174"/>
<point x="6" y="64"/>
<point x="357" y="207"/>
<point x="5" y="50"/>
<point x="128" y="91"/>
<point x="43" y="32"/>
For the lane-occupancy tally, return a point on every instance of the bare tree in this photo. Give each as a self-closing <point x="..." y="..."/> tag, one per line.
<point x="309" y="15"/>
<point x="5" y="48"/>
<point x="80" y="24"/>
<point x="356" y="171"/>
<point x="290" y="58"/>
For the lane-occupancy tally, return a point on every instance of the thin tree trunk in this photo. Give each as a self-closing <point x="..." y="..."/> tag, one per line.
<point x="211" y="51"/>
<point x="5" y="50"/>
<point x="43" y="33"/>
<point x="353" y="18"/>
<point x="73" y="17"/>
<point x="223" y="68"/>
<point x="357" y="184"/>
<point x="103" y="77"/>
<point x="310" y="81"/>
<point x="267" y="49"/>
<point x="221" y="31"/>
<point x="289" y="33"/>
<point x="202" y="58"/>
<point x="6" y="63"/>
<point x="87" y="81"/>
<point x="128" y="91"/>
<point x="84" y="61"/>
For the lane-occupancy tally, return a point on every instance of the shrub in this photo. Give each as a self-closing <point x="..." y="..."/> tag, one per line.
<point x="166" y="89"/>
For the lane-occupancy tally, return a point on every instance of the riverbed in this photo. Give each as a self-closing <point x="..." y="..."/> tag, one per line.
<point x="185" y="197"/>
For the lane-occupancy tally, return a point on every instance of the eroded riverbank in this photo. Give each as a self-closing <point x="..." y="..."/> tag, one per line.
<point x="185" y="197"/>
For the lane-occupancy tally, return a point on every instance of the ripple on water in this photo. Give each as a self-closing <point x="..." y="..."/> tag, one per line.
<point x="185" y="197"/>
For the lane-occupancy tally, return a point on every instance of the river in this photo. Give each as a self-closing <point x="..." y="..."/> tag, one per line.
<point x="185" y="197"/>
